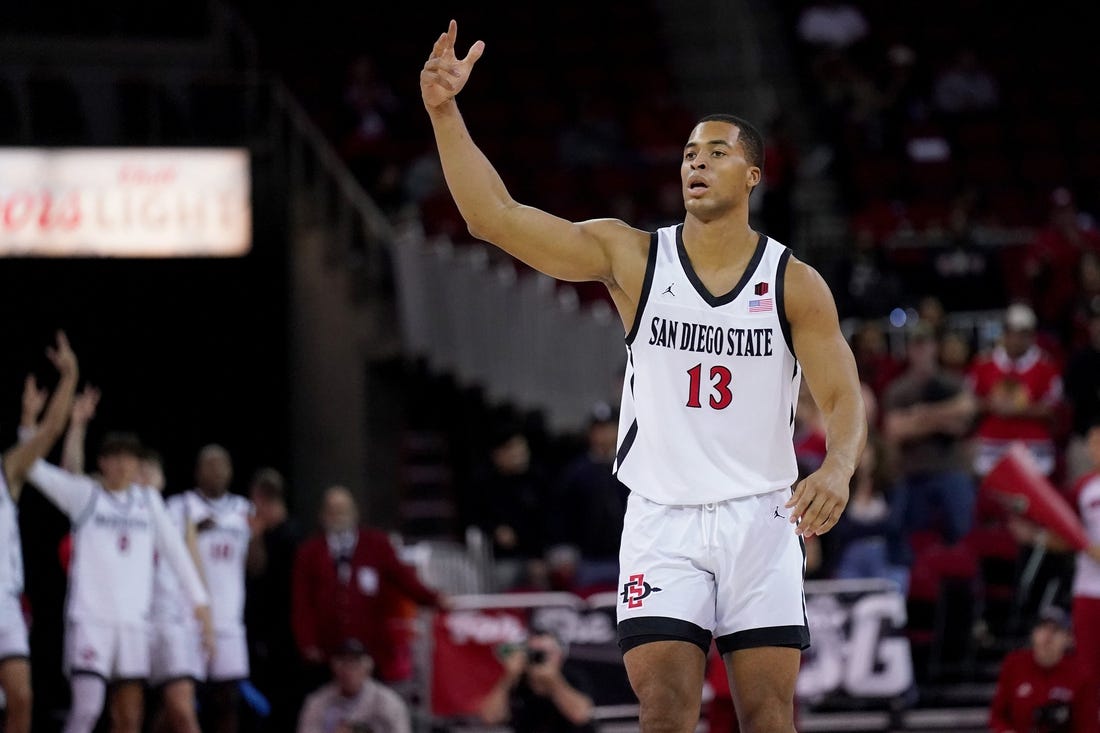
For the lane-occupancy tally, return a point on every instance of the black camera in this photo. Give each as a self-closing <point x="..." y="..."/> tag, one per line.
<point x="536" y="656"/>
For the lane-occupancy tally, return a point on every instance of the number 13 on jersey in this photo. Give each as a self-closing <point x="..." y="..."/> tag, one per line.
<point x="720" y="394"/>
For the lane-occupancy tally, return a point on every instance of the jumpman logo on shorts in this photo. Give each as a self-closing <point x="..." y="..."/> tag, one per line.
<point x="777" y="514"/>
<point x="668" y="290"/>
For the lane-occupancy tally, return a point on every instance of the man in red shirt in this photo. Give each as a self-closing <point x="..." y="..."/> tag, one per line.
<point x="350" y="584"/>
<point x="1042" y="689"/>
<point x="1019" y="389"/>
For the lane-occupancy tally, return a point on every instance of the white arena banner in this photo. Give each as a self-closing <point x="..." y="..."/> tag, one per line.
<point x="125" y="202"/>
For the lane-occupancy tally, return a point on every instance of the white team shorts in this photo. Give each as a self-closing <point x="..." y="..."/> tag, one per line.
<point x="732" y="570"/>
<point x="230" y="662"/>
<point x="13" y="629"/>
<point x="175" y="653"/>
<point x="115" y="652"/>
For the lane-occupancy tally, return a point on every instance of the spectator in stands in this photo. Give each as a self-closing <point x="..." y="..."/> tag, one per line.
<point x="1087" y="301"/>
<point x="1053" y="259"/>
<point x="868" y="541"/>
<point x="590" y="502"/>
<point x="955" y="353"/>
<point x="832" y="25"/>
<point x="274" y="661"/>
<point x="539" y="691"/>
<point x="513" y="497"/>
<point x="345" y="579"/>
<point x="1019" y="391"/>
<point x="1083" y="393"/>
<point x="965" y="86"/>
<point x="926" y="414"/>
<point x="353" y="702"/>
<point x="1044" y="688"/>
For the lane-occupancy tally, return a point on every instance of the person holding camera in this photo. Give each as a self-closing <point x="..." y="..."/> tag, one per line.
<point x="539" y="692"/>
<point x="1045" y="688"/>
<point x="353" y="702"/>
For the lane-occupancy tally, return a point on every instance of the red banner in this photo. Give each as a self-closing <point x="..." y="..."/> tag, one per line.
<point x="464" y="657"/>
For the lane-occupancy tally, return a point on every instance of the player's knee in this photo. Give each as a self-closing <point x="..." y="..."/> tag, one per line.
<point x="127" y="716"/>
<point x="18" y="717"/>
<point x="665" y="707"/>
<point x="767" y="716"/>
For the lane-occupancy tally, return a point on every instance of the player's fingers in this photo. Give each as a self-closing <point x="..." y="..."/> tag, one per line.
<point x="799" y="489"/>
<point x="442" y="66"/>
<point x="809" y="518"/>
<point x="474" y="53"/>
<point x="439" y="47"/>
<point x="824" y="518"/>
<point x="802" y="500"/>
<point x="431" y="77"/>
<point x="452" y="34"/>
<point x="834" y="517"/>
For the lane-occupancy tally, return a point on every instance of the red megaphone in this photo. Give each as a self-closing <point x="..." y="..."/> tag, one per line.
<point x="1017" y="484"/>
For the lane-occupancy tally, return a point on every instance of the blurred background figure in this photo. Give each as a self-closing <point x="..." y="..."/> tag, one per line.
<point x="1044" y="687"/>
<point x="346" y="578"/>
<point x="353" y="702"/>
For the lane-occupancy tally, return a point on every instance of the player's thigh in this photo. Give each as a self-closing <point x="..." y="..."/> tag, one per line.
<point x="667" y="674"/>
<point x="15" y="680"/>
<point x="127" y="703"/>
<point x="230" y="661"/>
<point x="179" y="695"/>
<point x="762" y="681"/>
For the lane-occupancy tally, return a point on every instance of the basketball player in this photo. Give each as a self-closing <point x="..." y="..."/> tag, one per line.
<point x="714" y="314"/>
<point x="15" y="668"/>
<point x="118" y="525"/>
<point x="222" y="529"/>
<point x="175" y="659"/>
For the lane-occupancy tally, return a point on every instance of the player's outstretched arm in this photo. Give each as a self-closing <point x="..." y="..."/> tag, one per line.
<point x="19" y="459"/>
<point x="72" y="450"/>
<point x="552" y="245"/>
<point x="830" y="372"/>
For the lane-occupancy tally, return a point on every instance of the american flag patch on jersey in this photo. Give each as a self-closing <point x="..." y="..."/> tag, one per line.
<point x="760" y="305"/>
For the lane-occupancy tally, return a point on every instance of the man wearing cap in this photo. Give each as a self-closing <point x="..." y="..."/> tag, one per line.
<point x="353" y="702"/>
<point x="927" y="411"/>
<point x="1044" y="688"/>
<point x="1019" y="390"/>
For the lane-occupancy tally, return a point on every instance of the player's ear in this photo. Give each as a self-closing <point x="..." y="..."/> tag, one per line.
<point x="753" y="176"/>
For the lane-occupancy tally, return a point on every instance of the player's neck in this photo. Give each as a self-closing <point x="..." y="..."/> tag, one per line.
<point x="718" y="241"/>
<point x="115" y="486"/>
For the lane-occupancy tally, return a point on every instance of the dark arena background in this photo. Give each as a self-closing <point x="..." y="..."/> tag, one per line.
<point x="236" y="212"/>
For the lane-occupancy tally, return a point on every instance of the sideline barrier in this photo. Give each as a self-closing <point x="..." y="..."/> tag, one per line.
<point x="860" y="659"/>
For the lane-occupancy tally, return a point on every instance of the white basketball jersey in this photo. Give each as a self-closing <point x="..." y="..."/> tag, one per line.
<point x="1086" y="578"/>
<point x="711" y="382"/>
<point x="223" y="534"/>
<point x="11" y="550"/>
<point x="111" y="572"/>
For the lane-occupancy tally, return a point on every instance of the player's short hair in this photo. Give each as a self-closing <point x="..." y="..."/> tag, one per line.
<point x="268" y="483"/>
<point x="750" y="138"/>
<point x="120" y="443"/>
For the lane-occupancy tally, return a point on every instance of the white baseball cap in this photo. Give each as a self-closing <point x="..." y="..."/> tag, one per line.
<point x="1020" y="317"/>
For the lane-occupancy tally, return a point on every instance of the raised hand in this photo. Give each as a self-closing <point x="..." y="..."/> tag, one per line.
<point x="34" y="400"/>
<point x="444" y="75"/>
<point x="62" y="356"/>
<point x="85" y="404"/>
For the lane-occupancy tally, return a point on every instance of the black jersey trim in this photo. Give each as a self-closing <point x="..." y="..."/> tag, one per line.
<point x="716" y="300"/>
<point x="647" y="284"/>
<point x="624" y="447"/>
<point x="633" y="632"/>
<point x="780" y="302"/>
<point x="792" y="637"/>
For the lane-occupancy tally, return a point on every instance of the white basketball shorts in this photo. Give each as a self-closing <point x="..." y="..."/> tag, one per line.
<point x="731" y="571"/>
<point x="230" y="662"/>
<point x="175" y="653"/>
<point x="115" y="652"/>
<point x="13" y="629"/>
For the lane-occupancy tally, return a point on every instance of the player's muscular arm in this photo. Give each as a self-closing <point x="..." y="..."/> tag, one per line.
<point x="554" y="246"/>
<point x="830" y="372"/>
